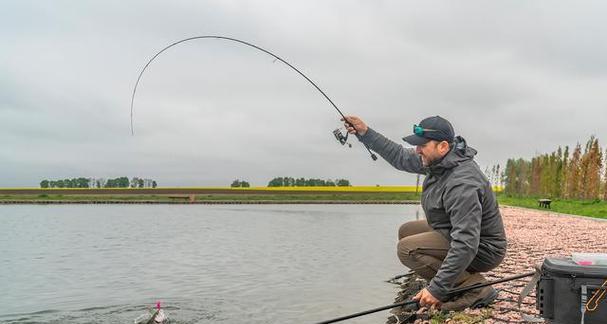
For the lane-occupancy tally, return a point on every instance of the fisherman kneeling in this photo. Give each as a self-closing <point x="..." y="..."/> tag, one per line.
<point x="463" y="233"/>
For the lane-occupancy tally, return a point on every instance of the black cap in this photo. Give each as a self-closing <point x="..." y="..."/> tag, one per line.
<point x="435" y="128"/>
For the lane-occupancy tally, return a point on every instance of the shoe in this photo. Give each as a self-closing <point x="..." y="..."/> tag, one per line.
<point x="487" y="300"/>
<point x="476" y="298"/>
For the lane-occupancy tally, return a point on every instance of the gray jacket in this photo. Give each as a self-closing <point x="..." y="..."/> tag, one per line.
<point x="459" y="203"/>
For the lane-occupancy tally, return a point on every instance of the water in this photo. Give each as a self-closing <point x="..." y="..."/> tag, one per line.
<point x="207" y="264"/>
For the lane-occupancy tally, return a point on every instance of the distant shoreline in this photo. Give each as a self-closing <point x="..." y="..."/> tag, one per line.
<point x="209" y="190"/>
<point x="215" y="196"/>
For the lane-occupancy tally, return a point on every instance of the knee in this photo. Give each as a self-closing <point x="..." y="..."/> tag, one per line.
<point x="408" y="229"/>
<point x="405" y="250"/>
<point x="403" y="230"/>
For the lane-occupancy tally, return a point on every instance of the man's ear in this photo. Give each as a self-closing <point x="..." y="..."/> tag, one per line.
<point x="444" y="146"/>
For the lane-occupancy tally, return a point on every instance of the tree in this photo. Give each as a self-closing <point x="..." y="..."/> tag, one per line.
<point x="592" y="162"/>
<point x="343" y="183"/>
<point x="564" y="173"/>
<point x="276" y="182"/>
<point x="498" y="175"/>
<point x="137" y="182"/>
<point x="67" y="183"/>
<point x="100" y="183"/>
<point x="556" y="190"/>
<point x="573" y="181"/>
<point x="83" y="182"/>
<point x="123" y="182"/>
<point x="240" y="184"/>
<point x="109" y="183"/>
<point x="44" y="184"/>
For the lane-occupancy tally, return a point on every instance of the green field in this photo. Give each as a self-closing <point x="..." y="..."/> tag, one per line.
<point x="592" y="208"/>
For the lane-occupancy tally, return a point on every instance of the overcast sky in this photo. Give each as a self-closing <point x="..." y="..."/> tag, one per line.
<point x="515" y="78"/>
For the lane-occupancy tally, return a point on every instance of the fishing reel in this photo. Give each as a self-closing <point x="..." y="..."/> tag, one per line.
<point x="341" y="138"/>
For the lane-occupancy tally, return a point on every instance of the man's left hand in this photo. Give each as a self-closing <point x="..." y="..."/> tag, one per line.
<point x="426" y="299"/>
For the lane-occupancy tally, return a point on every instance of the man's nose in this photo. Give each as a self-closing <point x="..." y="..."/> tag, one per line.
<point x="418" y="149"/>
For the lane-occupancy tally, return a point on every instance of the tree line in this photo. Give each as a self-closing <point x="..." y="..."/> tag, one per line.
<point x="302" y="182"/>
<point x="580" y="174"/>
<point x="120" y="182"/>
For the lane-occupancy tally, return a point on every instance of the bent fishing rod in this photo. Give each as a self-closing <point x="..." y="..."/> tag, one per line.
<point x="451" y="293"/>
<point x="338" y="135"/>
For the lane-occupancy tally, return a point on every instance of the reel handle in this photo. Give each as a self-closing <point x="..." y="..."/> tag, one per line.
<point x="343" y="140"/>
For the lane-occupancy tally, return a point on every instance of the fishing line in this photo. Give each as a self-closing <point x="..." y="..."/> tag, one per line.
<point x="341" y="138"/>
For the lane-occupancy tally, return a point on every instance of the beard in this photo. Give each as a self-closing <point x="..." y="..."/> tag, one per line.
<point x="429" y="160"/>
<point x="426" y="161"/>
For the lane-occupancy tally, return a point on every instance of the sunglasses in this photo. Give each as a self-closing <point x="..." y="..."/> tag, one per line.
<point x="420" y="131"/>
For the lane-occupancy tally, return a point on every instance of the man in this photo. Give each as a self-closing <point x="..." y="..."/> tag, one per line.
<point x="463" y="233"/>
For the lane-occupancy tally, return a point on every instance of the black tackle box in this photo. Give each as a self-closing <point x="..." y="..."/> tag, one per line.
<point x="559" y="294"/>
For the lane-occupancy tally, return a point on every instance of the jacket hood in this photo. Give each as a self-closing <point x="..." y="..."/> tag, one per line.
<point x="460" y="152"/>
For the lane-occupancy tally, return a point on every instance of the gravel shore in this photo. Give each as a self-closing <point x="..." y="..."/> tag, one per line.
<point x="532" y="236"/>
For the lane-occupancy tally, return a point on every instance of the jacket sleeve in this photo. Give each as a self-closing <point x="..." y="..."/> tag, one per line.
<point x="462" y="204"/>
<point x="404" y="159"/>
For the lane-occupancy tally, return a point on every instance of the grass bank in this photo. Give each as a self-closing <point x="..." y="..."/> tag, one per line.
<point x="592" y="208"/>
<point x="368" y="194"/>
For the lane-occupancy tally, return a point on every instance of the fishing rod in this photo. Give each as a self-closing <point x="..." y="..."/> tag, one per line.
<point x="337" y="133"/>
<point x="453" y="292"/>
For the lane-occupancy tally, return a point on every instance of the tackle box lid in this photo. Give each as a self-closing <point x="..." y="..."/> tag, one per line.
<point x="565" y="266"/>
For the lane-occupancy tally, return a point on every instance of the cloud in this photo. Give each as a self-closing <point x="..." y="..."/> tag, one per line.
<point x="515" y="78"/>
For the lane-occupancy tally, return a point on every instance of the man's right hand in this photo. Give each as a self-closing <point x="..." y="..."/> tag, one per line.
<point x="354" y="124"/>
<point x="425" y="298"/>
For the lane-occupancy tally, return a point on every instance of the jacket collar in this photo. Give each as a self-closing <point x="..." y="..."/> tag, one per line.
<point x="459" y="153"/>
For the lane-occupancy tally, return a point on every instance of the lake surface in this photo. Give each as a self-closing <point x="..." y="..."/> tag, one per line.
<point x="206" y="263"/>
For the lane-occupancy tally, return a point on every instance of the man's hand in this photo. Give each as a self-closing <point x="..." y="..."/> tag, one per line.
<point x="354" y="124"/>
<point x="426" y="299"/>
